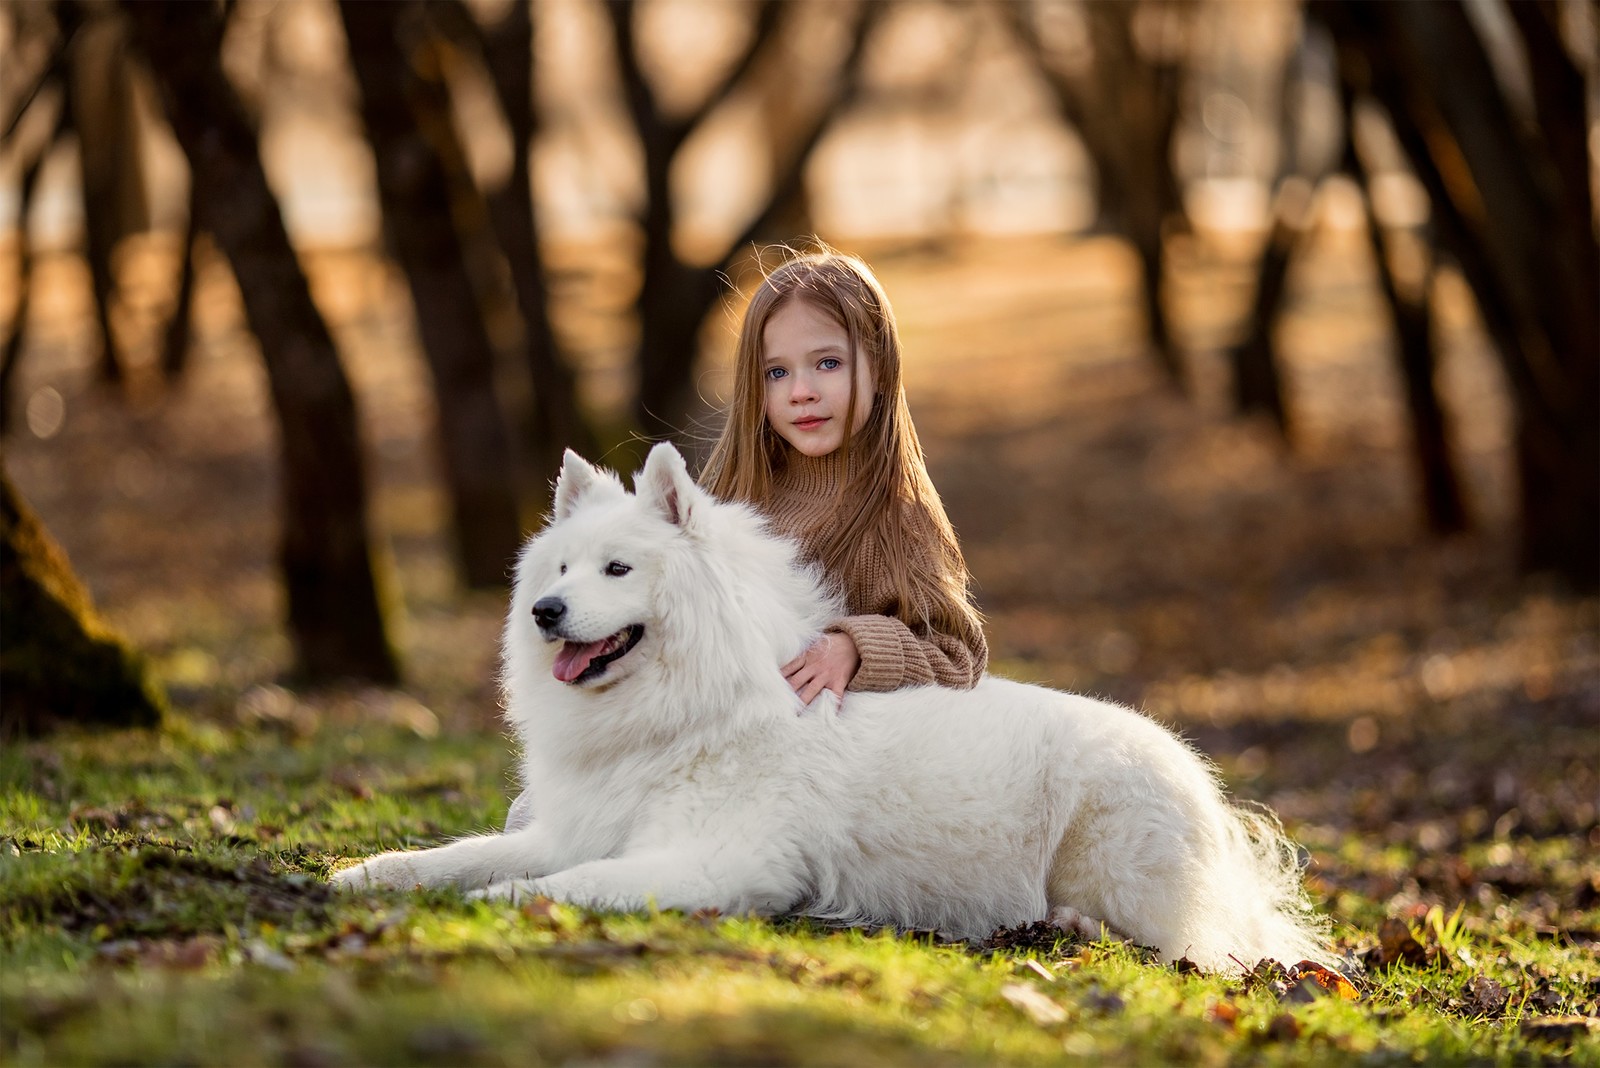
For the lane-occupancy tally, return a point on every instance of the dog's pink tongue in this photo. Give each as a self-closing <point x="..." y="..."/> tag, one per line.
<point x="574" y="657"/>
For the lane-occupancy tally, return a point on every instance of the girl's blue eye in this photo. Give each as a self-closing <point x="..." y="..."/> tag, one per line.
<point x="775" y="373"/>
<point x="831" y="363"/>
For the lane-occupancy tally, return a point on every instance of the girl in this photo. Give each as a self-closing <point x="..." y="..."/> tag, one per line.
<point x="819" y="438"/>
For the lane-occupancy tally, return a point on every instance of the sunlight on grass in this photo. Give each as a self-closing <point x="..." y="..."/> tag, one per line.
<point x="188" y="921"/>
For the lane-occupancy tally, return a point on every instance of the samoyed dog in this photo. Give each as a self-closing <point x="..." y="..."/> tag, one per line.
<point x="669" y="764"/>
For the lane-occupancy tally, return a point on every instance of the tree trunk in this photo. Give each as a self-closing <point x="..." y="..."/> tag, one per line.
<point x="101" y="101"/>
<point x="11" y="355"/>
<point x="783" y="124"/>
<point x="1135" y="151"/>
<point x="334" y="615"/>
<point x="1124" y="106"/>
<point x="1504" y="201"/>
<point x="421" y="172"/>
<point x="674" y="300"/>
<point x="60" y="664"/>
<point x="175" y="345"/>
<point x="1257" y="385"/>
<point x="1414" y="356"/>
<point x="1257" y="377"/>
<point x="555" y="421"/>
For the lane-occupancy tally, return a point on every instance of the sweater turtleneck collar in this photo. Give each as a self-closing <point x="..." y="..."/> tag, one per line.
<point x="812" y="476"/>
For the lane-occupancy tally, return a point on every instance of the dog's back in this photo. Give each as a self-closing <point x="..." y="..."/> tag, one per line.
<point x="969" y="811"/>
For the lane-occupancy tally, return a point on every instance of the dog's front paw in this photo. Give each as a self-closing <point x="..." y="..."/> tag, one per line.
<point x="394" y="870"/>
<point x="514" y="891"/>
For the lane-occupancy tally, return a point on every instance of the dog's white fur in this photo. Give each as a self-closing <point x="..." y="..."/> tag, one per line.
<point x="687" y="775"/>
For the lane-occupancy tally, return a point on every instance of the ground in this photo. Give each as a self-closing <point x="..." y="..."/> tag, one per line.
<point x="1423" y="718"/>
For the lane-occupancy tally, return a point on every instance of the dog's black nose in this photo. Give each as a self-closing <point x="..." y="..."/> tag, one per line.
<point x="547" y="611"/>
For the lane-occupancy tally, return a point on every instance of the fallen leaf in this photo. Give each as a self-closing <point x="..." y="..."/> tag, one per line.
<point x="1283" y="1028"/>
<point x="1035" y="1005"/>
<point x="1040" y="970"/>
<point x="258" y="952"/>
<point x="350" y="782"/>
<point x="1328" y="980"/>
<point x="1396" y="944"/>
<point x="189" y="954"/>
<point x="1104" y="1002"/>
<point x="1484" y="997"/>
<point x="1267" y="975"/>
<point x="541" y="908"/>
<point x="1588" y="895"/>
<point x="1560" y="1029"/>
<point x="1037" y="935"/>
<point x="1303" y="992"/>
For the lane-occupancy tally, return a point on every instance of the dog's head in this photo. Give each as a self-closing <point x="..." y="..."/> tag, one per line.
<point x="666" y="585"/>
<point x="584" y="587"/>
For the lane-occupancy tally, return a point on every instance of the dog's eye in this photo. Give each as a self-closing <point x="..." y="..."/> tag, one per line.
<point x="616" y="569"/>
<point x="563" y="569"/>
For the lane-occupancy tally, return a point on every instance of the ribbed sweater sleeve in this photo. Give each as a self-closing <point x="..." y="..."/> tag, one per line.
<point x="893" y="655"/>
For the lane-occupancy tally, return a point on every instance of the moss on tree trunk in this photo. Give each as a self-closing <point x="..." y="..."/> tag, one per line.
<point x="59" y="661"/>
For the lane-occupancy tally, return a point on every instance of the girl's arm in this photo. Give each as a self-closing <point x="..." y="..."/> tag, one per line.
<point x="894" y="655"/>
<point x="945" y="648"/>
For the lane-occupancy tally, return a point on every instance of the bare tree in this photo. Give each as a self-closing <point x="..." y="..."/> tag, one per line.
<point x="675" y="296"/>
<point x="1258" y="380"/>
<point x="334" y="615"/>
<point x="1257" y="371"/>
<point x="422" y="177"/>
<point x="11" y="355"/>
<point x="1513" y="208"/>
<point x="1122" y="99"/>
<point x="554" y="420"/>
<point x="102" y="110"/>
<point x="175" y="343"/>
<point x="1410" y="308"/>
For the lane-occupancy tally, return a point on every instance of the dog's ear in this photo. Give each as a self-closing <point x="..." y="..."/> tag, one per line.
<point x="664" y="482"/>
<point x="577" y="477"/>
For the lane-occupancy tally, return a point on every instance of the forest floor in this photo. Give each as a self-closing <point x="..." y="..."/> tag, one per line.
<point x="1426" y="722"/>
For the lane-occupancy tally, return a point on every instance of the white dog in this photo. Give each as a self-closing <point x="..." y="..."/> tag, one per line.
<point x="670" y="764"/>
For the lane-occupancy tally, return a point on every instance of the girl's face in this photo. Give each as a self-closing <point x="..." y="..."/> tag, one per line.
<point x="807" y="366"/>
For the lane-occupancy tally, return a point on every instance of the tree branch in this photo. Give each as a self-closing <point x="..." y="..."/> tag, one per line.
<point x="636" y="87"/>
<point x="787" y="184"/>
<point x="769" y="16"/>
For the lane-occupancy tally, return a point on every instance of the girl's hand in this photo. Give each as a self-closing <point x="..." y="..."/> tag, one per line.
<point x="829" y="664"/>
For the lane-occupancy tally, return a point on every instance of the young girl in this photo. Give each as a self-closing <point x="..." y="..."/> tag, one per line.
<point x="819" y="438"/>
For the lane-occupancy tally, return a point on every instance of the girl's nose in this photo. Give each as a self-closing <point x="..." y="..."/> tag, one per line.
<point x="801" y="390"/>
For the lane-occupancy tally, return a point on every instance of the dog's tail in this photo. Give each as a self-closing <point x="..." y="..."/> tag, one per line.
<point x="1255" y="904"/>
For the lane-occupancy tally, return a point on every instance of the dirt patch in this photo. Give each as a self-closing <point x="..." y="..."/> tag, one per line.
<point x="157" y="892"/>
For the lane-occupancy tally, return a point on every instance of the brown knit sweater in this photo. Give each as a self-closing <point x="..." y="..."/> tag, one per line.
<point x="893" y="655"/>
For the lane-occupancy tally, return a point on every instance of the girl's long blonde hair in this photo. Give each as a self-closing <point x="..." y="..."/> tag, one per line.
<point x="887" y="479"/>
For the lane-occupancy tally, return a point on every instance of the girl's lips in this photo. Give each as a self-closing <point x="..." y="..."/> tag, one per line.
<point x="810" y="424"/>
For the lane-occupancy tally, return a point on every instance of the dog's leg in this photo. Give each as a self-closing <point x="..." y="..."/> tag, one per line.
<point x="470" y="864"/>
<point x="1086" y="927"/>
<point x="669" y="879"/>
<point x="520" y="815"/>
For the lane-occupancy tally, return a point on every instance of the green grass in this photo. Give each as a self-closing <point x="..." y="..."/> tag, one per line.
<point x="162" y="901"/>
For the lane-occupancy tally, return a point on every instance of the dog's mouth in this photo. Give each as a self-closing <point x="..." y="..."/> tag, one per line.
<point x="585" y="661"/>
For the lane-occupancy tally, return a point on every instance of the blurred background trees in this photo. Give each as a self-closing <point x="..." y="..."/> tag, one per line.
<point x="573" y="193"/>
